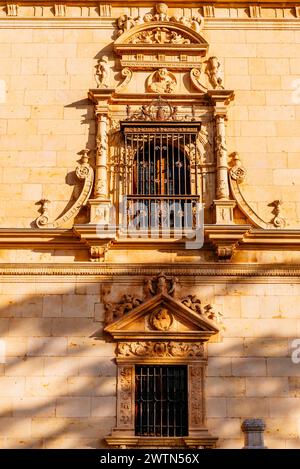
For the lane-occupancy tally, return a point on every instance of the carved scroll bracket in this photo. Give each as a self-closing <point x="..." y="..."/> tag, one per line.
<point x="237" y="174"/>
<point x="84" y="172"/>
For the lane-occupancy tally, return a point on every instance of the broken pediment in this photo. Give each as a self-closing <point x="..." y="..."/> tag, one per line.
<point x="162" y="317"/>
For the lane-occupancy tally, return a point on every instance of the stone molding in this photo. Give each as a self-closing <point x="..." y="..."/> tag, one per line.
<point x="220" y="272"/>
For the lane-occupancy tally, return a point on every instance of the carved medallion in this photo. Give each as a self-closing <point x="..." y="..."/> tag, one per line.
<point x="161" y="320"/>
<point x="162" y="81"/>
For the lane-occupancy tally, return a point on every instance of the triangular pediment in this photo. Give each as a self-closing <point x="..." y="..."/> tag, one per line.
<point x="163" y="317"/>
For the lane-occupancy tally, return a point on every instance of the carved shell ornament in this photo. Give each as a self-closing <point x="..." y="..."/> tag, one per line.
<point x="161" y="320"/>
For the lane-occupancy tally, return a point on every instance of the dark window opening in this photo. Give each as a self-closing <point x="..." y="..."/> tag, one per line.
<point x="161" y="404"/>
<point x="161" y="168"/>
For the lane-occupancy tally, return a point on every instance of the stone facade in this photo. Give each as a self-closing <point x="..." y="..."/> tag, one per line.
<point x="62" y="95"/>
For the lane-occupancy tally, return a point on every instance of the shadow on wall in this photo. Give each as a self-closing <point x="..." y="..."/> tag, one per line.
<point x="58" y="385"/>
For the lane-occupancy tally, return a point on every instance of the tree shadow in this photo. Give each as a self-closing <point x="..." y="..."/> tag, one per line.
<point x="58" y="384"/>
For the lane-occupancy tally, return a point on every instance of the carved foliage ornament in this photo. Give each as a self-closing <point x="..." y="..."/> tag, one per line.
<point x="160" y="349"/>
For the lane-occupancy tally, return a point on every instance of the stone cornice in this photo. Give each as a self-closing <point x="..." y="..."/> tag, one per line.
<point x="77" y="238"/>
<point x="199" y="273"/>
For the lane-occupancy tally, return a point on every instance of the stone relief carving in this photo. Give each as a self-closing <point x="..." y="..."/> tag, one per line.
<point x="125" y="395"/>
<point x="215" y="73"/>
<point x="161" y="284"/>
<point x="84" y="172"/>
<point x="160" y="349"/>
<point x="103" y="73"/>
<point x="161" y="320"/>
<point x="125" y="22"/>
<point x="158" y="110"/>
<point x="278" y="220"/>
<point x="194" y="303"/>
<point x="196" y="404"/>
<point x="116" y="311"/>
<point x="60" y="10"/>
<point x="98" y="253"/>
<point x="159" y="36"/>
<point x="162" y="81"/>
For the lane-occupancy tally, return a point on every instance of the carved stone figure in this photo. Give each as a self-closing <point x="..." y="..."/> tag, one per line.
<point x="214" y="72"/>
<point x="162" y="81"/>
<point x="102" y="74"/>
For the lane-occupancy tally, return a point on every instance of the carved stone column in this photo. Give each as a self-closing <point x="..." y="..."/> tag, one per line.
<point x="222" y="204"/>
<point x="221" y="156"/>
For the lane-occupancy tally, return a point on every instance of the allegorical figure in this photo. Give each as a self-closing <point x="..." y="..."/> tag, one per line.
<point x="102" y="74"/>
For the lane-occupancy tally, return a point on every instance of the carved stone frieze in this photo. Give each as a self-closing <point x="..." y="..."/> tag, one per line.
<point x="162" y="81"/>
<point x="160" y="349"/>
<point x="159" y="36"/>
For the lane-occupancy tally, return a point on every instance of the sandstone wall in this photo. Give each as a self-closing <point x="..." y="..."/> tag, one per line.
<point x="58" y="384"/>
<point x="46" y="119"/>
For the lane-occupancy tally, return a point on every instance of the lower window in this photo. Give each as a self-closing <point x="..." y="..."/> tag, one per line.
<point x="161" y="404"/>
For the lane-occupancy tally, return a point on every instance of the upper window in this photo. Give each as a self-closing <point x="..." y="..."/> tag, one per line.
<point x="160" y="167"/>
<point x="161" y="404"/>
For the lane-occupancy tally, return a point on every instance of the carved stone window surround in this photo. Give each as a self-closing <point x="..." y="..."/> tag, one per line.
<point x="139" y="340"/>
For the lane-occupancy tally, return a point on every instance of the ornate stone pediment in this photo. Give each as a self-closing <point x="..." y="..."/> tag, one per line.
<point x="161" y="33"/>
<point x="164" y="319"/>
